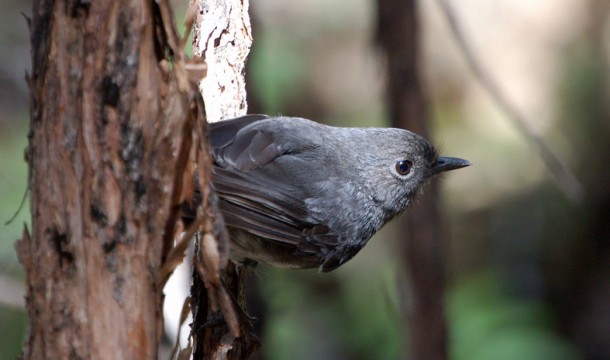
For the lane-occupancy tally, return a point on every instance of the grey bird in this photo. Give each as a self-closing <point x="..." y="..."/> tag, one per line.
<point x="298" y="194"/>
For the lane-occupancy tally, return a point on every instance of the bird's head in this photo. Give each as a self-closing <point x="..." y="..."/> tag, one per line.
<point x="404" y="162"/>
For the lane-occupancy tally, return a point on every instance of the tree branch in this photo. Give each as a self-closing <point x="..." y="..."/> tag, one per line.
<point x="222" y="36"/>
<point x="564" y="178"/>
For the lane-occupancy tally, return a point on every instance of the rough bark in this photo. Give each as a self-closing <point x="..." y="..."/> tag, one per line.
<point x="106" y="155"/>
<point x="423" y="246"/>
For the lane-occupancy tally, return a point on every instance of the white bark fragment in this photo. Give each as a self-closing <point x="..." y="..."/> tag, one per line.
<point x="223" y="36"/>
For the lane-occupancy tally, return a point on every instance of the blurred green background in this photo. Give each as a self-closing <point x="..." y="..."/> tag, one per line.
<point x="528" y="269"/>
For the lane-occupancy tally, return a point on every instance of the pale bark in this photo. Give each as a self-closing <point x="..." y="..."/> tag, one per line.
<point x="222" y="36"/>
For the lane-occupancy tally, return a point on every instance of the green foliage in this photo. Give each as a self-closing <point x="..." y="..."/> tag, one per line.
<point x="13" y="180"/>
<point x="12" y="332"/>
<point x="485" y="324"/>
<point x="314" y="316"/>
<point x="277" y="65"/>
<point x="13" y="183"/>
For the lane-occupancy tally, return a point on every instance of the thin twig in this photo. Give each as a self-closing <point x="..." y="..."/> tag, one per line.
<point x="21" y="204"/>
<point x="178" y="252"/>
<point x="564" y="178"/>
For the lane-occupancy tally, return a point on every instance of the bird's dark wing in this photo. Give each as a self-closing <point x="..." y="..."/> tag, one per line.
<point x="222" y="133"/>
<point x="263" y="186"/>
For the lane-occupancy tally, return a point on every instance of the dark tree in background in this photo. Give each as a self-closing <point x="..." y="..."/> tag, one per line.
<point x="422" y="248"/>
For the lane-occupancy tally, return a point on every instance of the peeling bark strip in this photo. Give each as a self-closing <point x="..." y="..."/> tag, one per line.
<point x="106" y="129"/>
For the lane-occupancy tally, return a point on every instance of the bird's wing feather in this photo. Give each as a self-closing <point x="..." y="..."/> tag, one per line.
<point x="263" y="187"/>
<point x="222" y="133"/>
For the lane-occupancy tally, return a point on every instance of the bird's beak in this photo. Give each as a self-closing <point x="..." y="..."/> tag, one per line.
<point x="449" y="163"/>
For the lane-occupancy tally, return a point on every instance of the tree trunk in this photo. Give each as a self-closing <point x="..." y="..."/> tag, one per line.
<point x="222" y="35"/>
<point x="106" y="159"/>
<point x="423" y="246"/>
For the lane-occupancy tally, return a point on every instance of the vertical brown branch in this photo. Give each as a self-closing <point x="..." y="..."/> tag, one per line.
<point x="102" y="176"/>
<point x="398" y="34"/>
<point x="222" y="36"/>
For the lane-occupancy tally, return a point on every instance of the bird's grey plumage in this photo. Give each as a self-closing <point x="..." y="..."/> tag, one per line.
<point x="295" y="193"/>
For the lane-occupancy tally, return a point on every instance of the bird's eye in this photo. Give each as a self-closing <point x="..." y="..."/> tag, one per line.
<point x="403" y="167"/>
